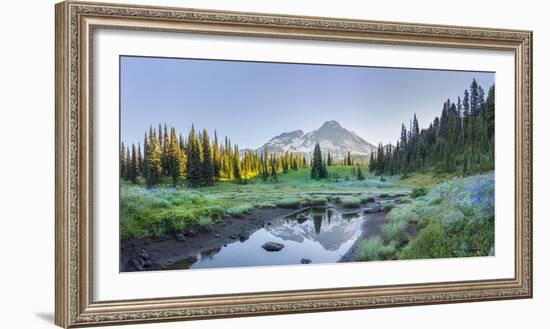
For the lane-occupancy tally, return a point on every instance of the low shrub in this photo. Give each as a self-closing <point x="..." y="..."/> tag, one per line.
<point x="404" y="212"/>
<point x="436" y="201"/>
<point x="215" y="212"/>
<point x="388" y="206"/>
<point x="205" y="221"/>
<point x="289" y="203"/>
<point x="418" y="192"/>
<point x="351" y="202"/>
<point x="267" y="205"/>
<point x="367" y="198"/>
<point x="240" y="210"/>
<point x="394" y="231"/>
<point x="369" y="250"/>
<point x="388" y="252"/>
<point x="318" y="201"/>
<point x="430" y="243"/>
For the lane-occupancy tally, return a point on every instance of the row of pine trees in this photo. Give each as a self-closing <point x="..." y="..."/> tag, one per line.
<point x="461" y="140"/>
<point x="198" y="160"/>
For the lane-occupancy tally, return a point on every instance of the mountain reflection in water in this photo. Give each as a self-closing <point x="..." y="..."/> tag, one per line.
<point x="320" y="235"/>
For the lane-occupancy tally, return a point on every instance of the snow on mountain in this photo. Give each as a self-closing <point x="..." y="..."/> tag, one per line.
<point x="330" y="136"/>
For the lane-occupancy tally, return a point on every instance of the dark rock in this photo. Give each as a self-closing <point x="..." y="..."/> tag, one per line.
<point x="268" y="223"/>
<point x="207" y="228"/>
<point x="273" y="246"/>
<point x="217" y="235"/>
<point x="191" y="233"/>
<point x="243" y="238"/>
<point x="233" y="236"/>
<point x="180" y="237"/>
<point x="372" y="210"/>
<point x="305" y="261"/>
<point x="137" y="264"/>
<point x="192" y="259"/>
<point x="143" y="254"/>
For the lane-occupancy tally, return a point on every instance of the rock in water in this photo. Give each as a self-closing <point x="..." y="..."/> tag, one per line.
<point x="305" y="261"/>
<point x="273" y="246"/>
<point x="192" y="259"/>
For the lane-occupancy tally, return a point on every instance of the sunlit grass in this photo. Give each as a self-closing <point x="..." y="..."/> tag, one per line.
<point x="165" y="209"/>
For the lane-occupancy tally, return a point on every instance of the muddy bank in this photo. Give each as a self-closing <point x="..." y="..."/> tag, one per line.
<point x="156" y="254"/>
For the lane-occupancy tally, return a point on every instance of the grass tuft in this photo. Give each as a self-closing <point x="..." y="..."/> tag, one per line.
<point x="369" y="250"/>
<point x="240" y="210"/>
<point x="418" y="192"/>
<point x="367" y="198"/>
<point x="289" y="203"/>
<point x="351" y="202"/>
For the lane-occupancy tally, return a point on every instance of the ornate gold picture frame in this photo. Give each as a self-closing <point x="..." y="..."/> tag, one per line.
<point x="76" y="22"/>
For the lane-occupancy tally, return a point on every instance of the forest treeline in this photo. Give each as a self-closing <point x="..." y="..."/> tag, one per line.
<point x="461" y="140"/>
<point x="198" y="160"/>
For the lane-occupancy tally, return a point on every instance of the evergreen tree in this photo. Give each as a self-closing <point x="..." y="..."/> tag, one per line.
<point x="128" y="163"/>
<point x="236" y="164"/>
<point x="145" y="164"/>
<point x="133" y="170"/>
<point x="216" y="157"/>
<point x="193" y="159"/>
<point x="379" y="167"/>
<point x="372" y="162"/>
<point x="173" y="157"/>
<point x="273" y="166"/>
<point x="265" y="165"/>
<point x="490" y="116"/>
<point x="207" y="165"/>
<point x="122" y="161"/>
<point x="154" y="161"/>
<point x="285" y="162"/>
<point x="165" y="150"/>
<point x="317" y="163"/>
<point x="139" y="160"/>
<point x="360" y="174"/>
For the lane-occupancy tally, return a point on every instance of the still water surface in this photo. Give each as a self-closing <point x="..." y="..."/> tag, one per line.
<point x="320" y="235"/>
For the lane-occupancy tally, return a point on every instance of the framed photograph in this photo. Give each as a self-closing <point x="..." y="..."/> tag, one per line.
<point x="218" y="164"/>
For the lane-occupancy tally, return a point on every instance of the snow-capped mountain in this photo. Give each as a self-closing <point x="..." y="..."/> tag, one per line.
<point x="330" y="136"/>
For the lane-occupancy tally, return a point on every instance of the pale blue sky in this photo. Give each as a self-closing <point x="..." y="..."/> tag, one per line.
<point x="251" y="102"/>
